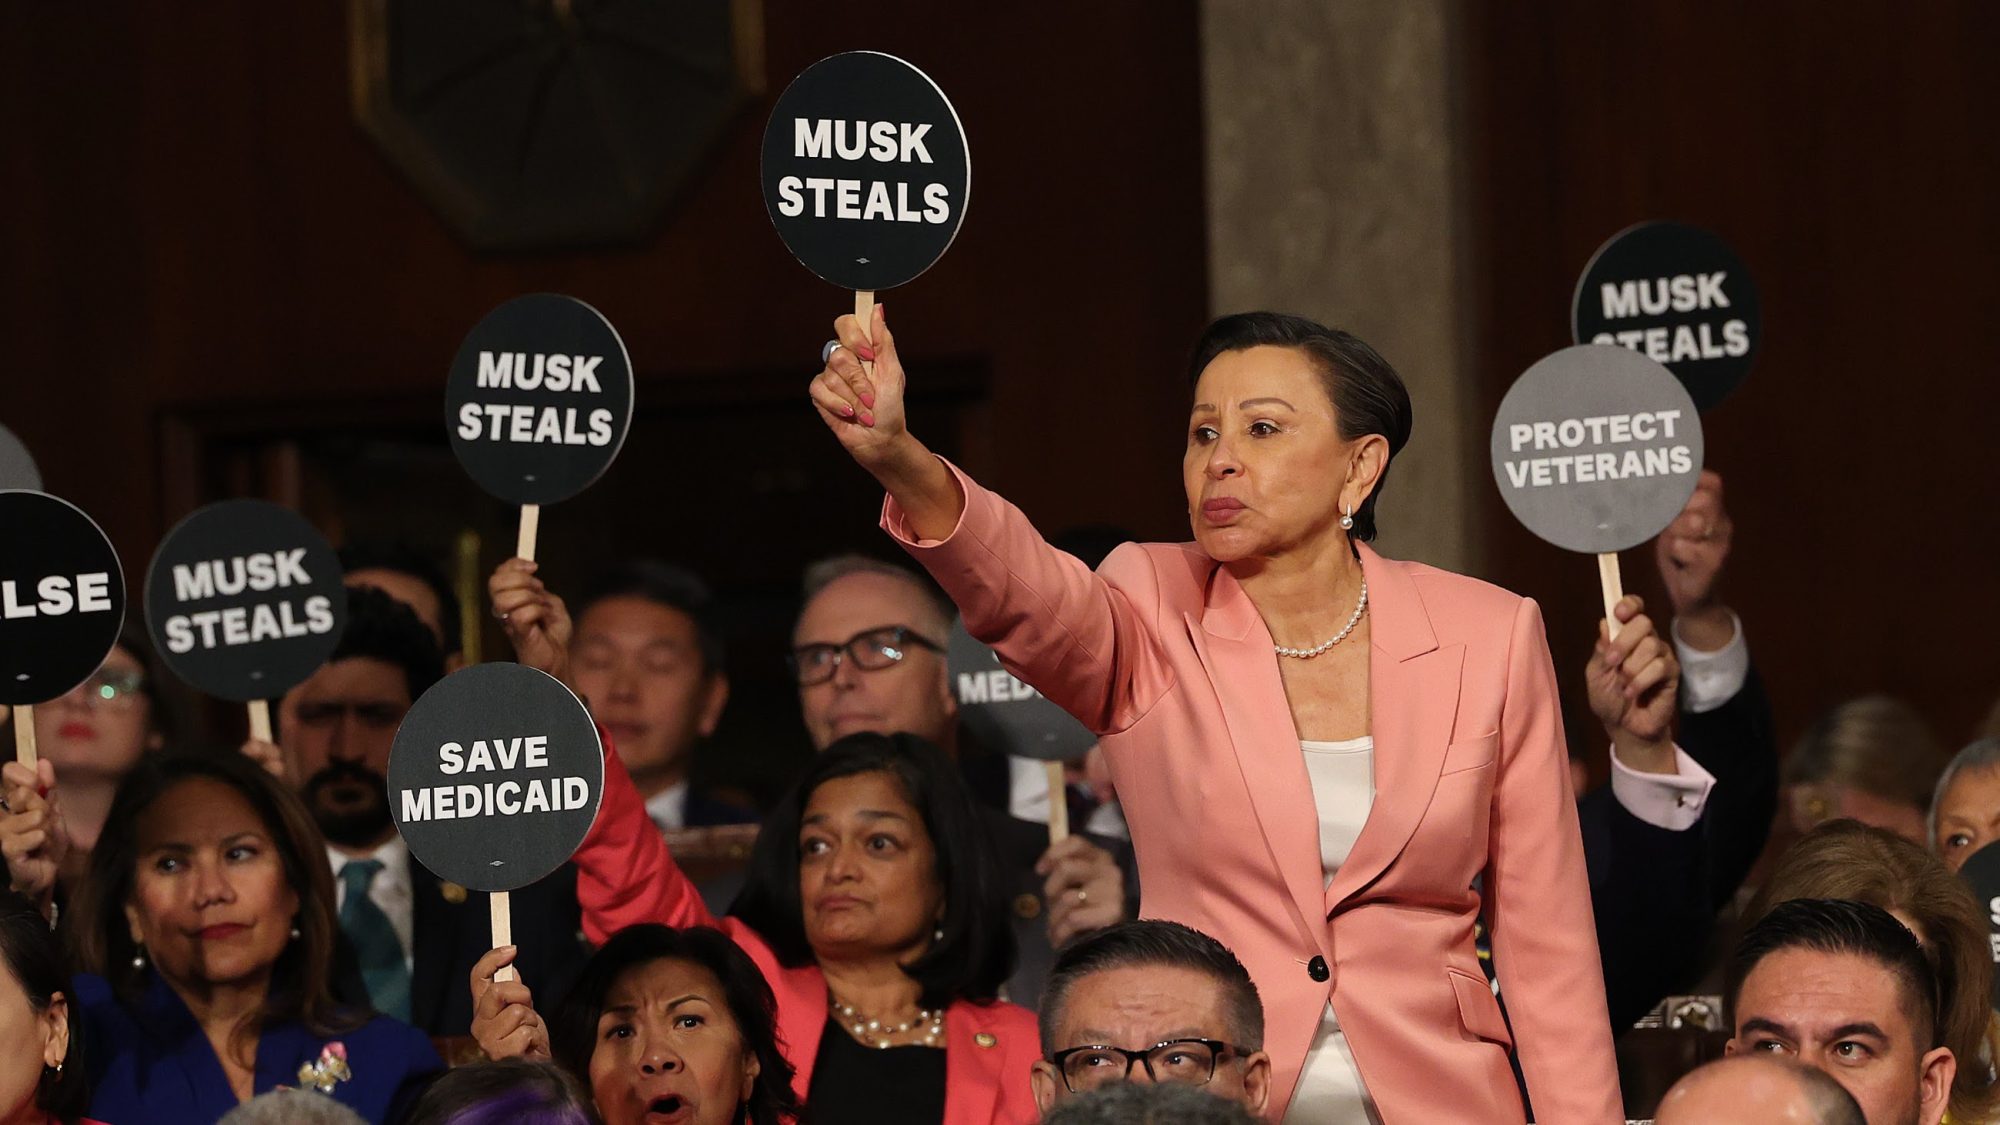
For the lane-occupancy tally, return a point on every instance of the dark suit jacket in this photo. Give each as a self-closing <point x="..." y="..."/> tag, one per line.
<point x="1656" y="892"/>
<point x="1019" y="843"/>
<point x="450" y="935"/>
<point x="704" y="811"/>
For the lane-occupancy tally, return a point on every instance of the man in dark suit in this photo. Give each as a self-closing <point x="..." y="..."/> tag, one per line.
<point x="409" y="939"/>
<point x="898" y="623"/>
<point x="647" y="657"/>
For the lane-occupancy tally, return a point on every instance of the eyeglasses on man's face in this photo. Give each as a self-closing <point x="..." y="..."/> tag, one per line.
<point x="1190" y="1062"/>
<point x="871" y="650"/>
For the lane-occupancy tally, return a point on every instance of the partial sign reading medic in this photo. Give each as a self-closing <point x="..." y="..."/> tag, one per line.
<point x="539" y="399"/>
<point x="244" y="600"/>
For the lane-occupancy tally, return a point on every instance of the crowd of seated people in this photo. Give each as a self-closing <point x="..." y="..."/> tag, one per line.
<point x="238" y="933"/>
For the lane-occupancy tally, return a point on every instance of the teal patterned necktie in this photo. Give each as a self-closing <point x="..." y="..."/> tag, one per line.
<point x="374" y="940"/>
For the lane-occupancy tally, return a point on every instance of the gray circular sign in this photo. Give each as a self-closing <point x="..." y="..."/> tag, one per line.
<point x="1003" y="712"/>
<point x="865" y="170"/>
<point x="244" y="600"/>
<point x="1596" y="449"/>
<point x="495" y="776"/>
<point x="539" y="399"/>
<point x="1679" y="295"/>
<point x="17" y="465"/>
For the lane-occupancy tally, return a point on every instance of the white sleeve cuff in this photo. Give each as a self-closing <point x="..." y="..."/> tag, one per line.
<point x="1673" y="801"/>
<point x="1711" y="679"/>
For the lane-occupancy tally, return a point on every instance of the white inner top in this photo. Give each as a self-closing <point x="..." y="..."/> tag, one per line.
<point x="1330" y="1090"/>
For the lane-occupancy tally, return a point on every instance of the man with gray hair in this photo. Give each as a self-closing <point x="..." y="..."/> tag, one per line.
<point x="1131" y="1104"/>
<point x="1764" y="1089"/>
<point x="1965" y="807"/>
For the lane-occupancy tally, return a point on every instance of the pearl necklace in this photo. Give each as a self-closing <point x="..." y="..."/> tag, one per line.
<point x="1360" y="607"/>
<point x="873" y="1033"/>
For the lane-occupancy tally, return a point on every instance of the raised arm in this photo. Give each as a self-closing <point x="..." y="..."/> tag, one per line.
<point x="624" y="873"/>
<point x="1538" y="897"/>
<point x="1083" y="640"/>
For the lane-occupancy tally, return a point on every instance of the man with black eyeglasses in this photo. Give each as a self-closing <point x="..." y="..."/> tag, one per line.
<point x="868" y="654"/>
<point x="1151" y="1001"/>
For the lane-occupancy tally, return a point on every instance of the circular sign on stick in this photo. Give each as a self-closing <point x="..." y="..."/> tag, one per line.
<point x="1596" y="449"/>
<point x="62" y="597"/>
<point x="1678" y="295"/>
<point x="1982" y="873"/>
<point x="495" y="776"/>
<point x="1004" y="713"/>
<point x="539" y="399"/>
<point x="17" y="465"/>
<point x="244" y="600"/>
<point x="865" y="170"/>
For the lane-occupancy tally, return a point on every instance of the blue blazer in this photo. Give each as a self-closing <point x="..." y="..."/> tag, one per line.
<point x="152" y="1063"/>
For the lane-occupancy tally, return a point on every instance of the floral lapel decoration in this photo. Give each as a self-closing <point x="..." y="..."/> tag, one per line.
<point x="329" y="1071"/>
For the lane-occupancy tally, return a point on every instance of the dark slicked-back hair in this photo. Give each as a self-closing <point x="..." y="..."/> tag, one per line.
<point x="976" y="953"/>
<point x="1826" y="925"/>
<point x="1149" y="1103"/>
<point x="573" y="1034"/>
<point x="381" y="628"/>
<point x="1156" y="943"/>
<point x="402" y="558"/>
<point x="1367" y="394"/>
<point x="664" y="584"/>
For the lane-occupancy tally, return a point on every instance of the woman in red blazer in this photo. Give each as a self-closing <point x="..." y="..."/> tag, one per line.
<point x="870" y="905"/>
<point x="1332" y="762"/>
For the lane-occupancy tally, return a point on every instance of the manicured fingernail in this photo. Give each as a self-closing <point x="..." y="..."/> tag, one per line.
<point x="868" y="399"/>
<point x="865" y="352"/>
<point x="867" y="418"/>
<point x="847" y="412"/>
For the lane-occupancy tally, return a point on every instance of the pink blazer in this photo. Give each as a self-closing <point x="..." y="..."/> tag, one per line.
<point x="1163" y="654"/>
<point x="625" y="876"/>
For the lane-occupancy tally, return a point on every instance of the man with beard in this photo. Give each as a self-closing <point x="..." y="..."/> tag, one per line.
<point x="412" y="938"/>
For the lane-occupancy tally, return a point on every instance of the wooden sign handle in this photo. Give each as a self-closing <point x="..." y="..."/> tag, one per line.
<point x="1058" y="803"/>
<point x="24" y="735"/>
<point x="502" y="908"/>
<point x="864" y="312"/>
<point x="531" y="522"/>
<point x="260" y="720"/>
<point x="1614" y="590"/>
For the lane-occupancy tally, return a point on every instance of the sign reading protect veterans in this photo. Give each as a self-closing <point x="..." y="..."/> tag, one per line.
<point x="17" y="465"/>
<point x="1679" y="295"/>
<point x="62" y="597"/>
<point x="539" y="399"/>
<point x="495" y="776"/>
<point x="1003" y="712"/>
<point x="1982" y="873"/>
<point x="1596" y="449"/>
<point x="865" y="170"/>
<point x="244" y="600"/>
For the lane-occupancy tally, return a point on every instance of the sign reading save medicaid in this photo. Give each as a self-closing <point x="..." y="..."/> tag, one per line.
<point x="244" y="600"/>
<point x="1596" y="449"/>
<point x="1003" y="712"/>
<point x="1679" y="295"/>
<point x="62" y="597"/>
<point x="865" y="170"/>
<point x="495" y="776"/>
<point x="539" y="399"/>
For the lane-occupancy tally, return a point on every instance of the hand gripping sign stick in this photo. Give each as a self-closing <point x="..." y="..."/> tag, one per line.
<point x="495" y="778"/>
<point x="538" y="402"/>
<point x="865" y="174"/>
<point x="1010" y="717"/>
<point x="1596" y="449"/>
<point x="245" y="601"/>
<point x="62" y="603"/>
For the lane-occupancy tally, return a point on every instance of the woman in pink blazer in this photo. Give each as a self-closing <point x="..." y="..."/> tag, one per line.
<point x="1331" y="761"/>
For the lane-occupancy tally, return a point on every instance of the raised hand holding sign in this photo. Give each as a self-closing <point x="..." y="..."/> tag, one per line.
<point x="538" y="403"/>
<point x="62" y="603"/>
<point x="1597" y="449"/>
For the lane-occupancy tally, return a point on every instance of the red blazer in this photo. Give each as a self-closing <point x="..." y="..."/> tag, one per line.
<point x="626" y="876"/>
<point x="1166" y="658"/>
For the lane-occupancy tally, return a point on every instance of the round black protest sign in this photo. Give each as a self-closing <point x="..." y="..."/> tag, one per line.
<point x="1596" y="448"/>
<point x="495" y="776"/>
<point x="17" y="466"/>
<point x="1004" y="713"/>
<point x="539" y="399"/>
<point x="1678" y="295"/>
<point x="865" y="170"/>
<point x="244" y="600"/>
<point x="1982" y="873"/>
<point x="62" y="597"/>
